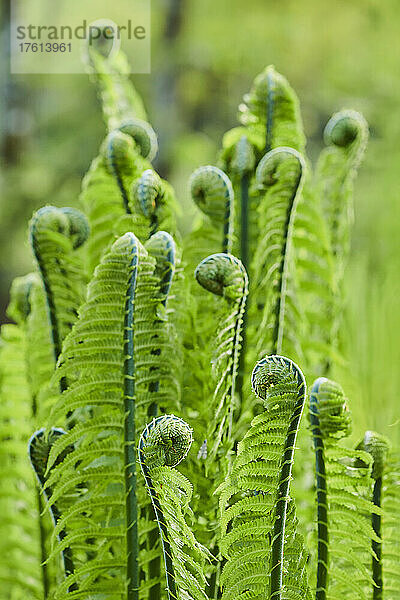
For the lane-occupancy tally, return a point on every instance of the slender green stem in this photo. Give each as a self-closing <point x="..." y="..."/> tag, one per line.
<point x="278" y="536"/>
<point x="244" y="257"/>
<point x="132" y="537"/>
<point x="377" y="546"/>
<point x="43" y="556"/>
<point x="322" y="501"/>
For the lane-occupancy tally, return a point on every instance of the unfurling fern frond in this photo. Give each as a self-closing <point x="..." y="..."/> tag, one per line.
<point x="278" y="178"/>
<point x="224" y="275"/>
<point x="111" y="364"/>
<point x="119" y="99"/>
<point x="54" y="235"/>
<point x="378" y="447"/>
<point x="265" y="556"/>
<point x="344" y="510"/>
<point x="211" y="190"/>
<point x="346" y="135"/>
<point x="271" y="109"/>
<point x="118" y="191"/>
<point x="163" y="444"/>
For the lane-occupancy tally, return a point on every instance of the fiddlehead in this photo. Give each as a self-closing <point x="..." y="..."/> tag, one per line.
<point x="212" y="191"/>
<point x="148" y="191"/>
<point x="279" y="177"/>
<point x="54" y="233"/>
<point x="20" y="306"/>
<point x="378" y="447"/>
<point x="39" y="447"/>
<point x="264" y="553"/>
<point x="143" y="135"/>
<point x="346" y="136"/>
<point x="329" y="417"/>
<point x="163" y="444"/>
<point x="224" y="275"/>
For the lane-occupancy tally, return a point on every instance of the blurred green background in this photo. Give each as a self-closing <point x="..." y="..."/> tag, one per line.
<point x="336" y="54"/>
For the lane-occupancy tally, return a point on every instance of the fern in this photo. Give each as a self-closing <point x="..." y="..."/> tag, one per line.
<point x="163" y="444"/>
<point x="344" y="532"/>
<point x="258" y="522"/>
<point x="377" y="446"/>
<point x="20" y="572"/>
<point x="224" y="275"/>
<point x="119" y="98"/>
<point x="346" y="135"/>
<point x="55" y="233"/>
<point x="109" y="392"/>
<point x="279" y="176"/>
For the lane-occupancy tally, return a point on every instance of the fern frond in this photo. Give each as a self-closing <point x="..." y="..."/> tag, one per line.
<point x="21" y="539"/>
<point x="163" y="444"/>
<point x="108" y="383"/>
<point x="279" y="178"/>
<point x="378" y="447"/>
<point x="54" y="235"/>
<point x="257" y="515"/>
<point x="344" y="511"/>
<point x="119" y="98"/>
<point x="117" y="188"/>
<point x="224" y="275"/>
<point x="271" y="109"/>
<point x="346" y="136"/>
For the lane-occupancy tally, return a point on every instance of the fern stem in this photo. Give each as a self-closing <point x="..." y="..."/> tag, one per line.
<point x="132" y="538"/>
<point x="322" y="500"/>
<point x="42" y="534"/>
<point x="377" y="546"/>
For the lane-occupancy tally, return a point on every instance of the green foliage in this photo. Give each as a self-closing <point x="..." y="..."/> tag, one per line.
<point x="118" y="329"/>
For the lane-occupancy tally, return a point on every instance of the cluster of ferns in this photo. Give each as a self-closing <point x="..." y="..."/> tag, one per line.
<point x="134" y="348"/>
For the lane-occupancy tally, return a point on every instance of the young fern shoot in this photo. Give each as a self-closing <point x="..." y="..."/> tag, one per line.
<point x="224" y="275"/>
<point x="265" y="556"/>
<point x="344" y="533"/>
<point x="54" y="234"/>
<point x="164" y="443"/>
<point x="329" y="416"/>
<point x="378" y="447"/>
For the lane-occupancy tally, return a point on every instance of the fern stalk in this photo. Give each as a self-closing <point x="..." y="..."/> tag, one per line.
<point x="130" y="434"/>
<point x="322" y="499"/>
